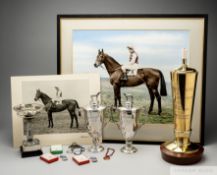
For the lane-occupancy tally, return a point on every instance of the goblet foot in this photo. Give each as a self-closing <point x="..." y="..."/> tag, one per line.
<point x="31" y="144"/>
<point x="95" y="149"/>
<point x="30" y="153"/>
<point x="128" y="149"/>
<point x="30" y="147"/>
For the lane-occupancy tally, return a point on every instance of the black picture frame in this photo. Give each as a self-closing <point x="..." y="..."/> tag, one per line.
<point x="196" y="17"/>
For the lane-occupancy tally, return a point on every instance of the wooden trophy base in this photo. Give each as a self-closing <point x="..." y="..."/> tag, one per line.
<point x="187" y="158"/>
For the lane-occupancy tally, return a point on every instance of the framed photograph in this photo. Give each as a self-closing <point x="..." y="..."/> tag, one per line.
<point x="108" y="44"/>
<point x="54" y="92"/>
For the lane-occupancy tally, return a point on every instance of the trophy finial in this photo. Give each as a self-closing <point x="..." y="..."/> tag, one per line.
<point x="184" y="56"/>
<point x="129" y="100"/>
<point x="94" y="100"/>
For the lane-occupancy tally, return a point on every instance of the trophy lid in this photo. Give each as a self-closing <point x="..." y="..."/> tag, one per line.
<point x="184" y="68"/>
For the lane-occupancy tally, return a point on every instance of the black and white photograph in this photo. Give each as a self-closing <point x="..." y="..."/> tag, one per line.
<point x="62" y="105"/>
<point x="63" y="98"/>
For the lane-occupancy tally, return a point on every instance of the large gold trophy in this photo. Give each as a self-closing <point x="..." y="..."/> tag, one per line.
<point x="181" y="151"/>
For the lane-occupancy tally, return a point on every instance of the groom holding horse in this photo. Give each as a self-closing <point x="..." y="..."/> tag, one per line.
<point x="150" y="76"/>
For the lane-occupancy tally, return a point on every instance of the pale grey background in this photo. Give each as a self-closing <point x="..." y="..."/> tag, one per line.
<point x="28" y="43"/>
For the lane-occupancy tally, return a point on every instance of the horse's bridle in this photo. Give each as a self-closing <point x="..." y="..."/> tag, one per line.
<point x="37" y="97"/>
<point x="101" y="55"/>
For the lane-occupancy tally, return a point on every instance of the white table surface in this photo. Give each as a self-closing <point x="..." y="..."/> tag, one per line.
<point x="146" y="161"/>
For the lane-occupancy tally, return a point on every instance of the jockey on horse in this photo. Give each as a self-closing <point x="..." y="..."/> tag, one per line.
<point x="132" y="65"/>
<point x="56" y="101"/>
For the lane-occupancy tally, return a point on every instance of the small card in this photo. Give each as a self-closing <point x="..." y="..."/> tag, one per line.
<point x="56" y="149"/>
<point x="80" y="159"/>
<point x="49" y="158"/>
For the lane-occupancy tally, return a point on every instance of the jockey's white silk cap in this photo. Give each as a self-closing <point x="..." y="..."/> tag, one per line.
<point x="130" y="47"/>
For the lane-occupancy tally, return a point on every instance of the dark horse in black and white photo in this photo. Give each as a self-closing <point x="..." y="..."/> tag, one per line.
<point x="67" y="104"/>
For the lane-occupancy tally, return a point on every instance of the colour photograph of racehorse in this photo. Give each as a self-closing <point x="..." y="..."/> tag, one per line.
<point x="110" y="52"/>
<point x="134" y="54"/>
<point x="63" y="105"/>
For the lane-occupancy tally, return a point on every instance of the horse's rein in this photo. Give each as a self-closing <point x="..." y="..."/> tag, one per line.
<point x="102" y="66"/>
<point x="117" y="68"/>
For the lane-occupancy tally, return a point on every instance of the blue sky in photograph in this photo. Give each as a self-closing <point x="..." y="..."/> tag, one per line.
<point x="158" y="49"/>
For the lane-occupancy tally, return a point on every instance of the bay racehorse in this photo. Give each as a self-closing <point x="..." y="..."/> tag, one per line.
<point x="70" y="104"/>
<point x="150" y="76"/>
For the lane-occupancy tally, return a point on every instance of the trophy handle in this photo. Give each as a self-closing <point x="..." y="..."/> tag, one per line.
<point x="84" y="114"/>
<point x="118" y="125"/>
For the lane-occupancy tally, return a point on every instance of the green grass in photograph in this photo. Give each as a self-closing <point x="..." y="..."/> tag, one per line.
<point x="141" y="100"/>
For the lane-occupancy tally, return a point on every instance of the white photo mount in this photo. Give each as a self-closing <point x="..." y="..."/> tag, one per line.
<point x="196" y="25"/>
<point x="91" y="80"/>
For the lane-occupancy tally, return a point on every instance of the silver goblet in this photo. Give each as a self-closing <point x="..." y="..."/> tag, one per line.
<point x="31" y="146"/>
<point x="95" y="123"/>
<point x="128" y="124"/>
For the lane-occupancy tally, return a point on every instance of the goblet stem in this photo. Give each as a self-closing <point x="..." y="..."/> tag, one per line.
<point x="96" y="146"/>
<point x="29" y="135"/>
<point x="95" y="143"/>
<point x="128" y="144"/>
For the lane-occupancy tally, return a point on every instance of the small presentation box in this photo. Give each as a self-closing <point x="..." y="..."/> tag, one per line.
<point x="49" y="158"/>
<point x="80" y="159"/>
<point x="56" y="149"/>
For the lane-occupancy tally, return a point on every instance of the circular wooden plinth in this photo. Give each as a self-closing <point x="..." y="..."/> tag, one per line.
<point x="181" y="158"/>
